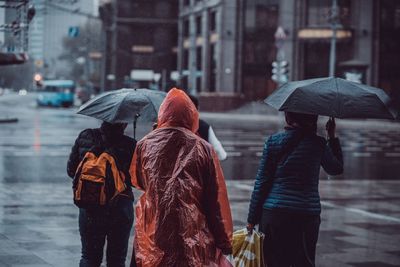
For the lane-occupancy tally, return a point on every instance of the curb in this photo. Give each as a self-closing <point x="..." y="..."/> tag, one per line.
<point x="346" y="123"/>
<point x="8" y="120"/>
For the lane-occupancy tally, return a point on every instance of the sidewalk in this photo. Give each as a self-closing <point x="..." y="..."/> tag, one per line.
<point x="360" y="223"/>
<point x="257" y="116"/>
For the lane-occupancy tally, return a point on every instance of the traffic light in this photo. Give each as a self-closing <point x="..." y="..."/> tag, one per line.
<point x="38" y="78"/>
<point x="280" y="70"/>
<point x="31" y="13"/>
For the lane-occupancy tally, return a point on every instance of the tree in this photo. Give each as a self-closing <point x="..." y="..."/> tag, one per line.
<point x="82" y="51"/>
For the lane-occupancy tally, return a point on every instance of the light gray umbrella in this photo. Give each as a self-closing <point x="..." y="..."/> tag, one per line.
<point x="124" y="106"/>
<point x="333" y="97"/>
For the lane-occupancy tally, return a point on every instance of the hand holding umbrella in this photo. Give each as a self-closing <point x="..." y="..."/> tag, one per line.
<point x="331" y="128"/>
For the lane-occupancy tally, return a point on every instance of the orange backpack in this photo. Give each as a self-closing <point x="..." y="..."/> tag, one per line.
<point x="97" y="181"/>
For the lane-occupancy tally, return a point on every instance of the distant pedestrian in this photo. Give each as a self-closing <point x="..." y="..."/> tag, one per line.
<point x="285" y="201"/>
<point x="113" y="222"/>
<point x="183" y="217"/>
<point x="207" y="133"/>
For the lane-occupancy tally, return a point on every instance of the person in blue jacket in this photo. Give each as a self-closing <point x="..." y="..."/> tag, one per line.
<point x="285" y="201"/>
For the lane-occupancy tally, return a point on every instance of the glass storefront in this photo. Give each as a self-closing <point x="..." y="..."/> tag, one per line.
<point x="259" y="50"/>
<point x="389" y="47"/>
<point x="316" y="51"/>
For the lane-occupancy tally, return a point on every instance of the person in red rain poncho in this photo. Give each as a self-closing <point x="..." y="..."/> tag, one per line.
<point x="183" y="218"/>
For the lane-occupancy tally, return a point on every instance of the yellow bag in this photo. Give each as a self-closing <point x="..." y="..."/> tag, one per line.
<point x="248" y="249"/>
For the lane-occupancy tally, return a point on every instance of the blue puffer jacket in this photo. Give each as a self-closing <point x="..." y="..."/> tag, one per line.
<point x="287" y="178"/>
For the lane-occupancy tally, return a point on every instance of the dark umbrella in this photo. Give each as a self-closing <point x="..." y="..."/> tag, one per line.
<point x="124" y="106"/>
<point x="333" y="97"/>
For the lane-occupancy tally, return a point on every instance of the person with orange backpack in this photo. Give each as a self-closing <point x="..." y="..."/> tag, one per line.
<point x="99" y="165"/>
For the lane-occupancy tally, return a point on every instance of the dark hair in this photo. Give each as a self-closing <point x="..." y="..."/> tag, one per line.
<point x="307" y="122"/>
<point x="195" y="100"/>
<point x="113" y="130"/>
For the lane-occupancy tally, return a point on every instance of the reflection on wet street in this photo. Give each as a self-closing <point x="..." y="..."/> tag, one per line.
<point x="370" y="152"/>
<point x="38" y="222"/>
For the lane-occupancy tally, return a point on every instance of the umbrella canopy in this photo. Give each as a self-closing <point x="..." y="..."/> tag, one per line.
<point x="123" y="105"/>
<point x="334" y="97"/>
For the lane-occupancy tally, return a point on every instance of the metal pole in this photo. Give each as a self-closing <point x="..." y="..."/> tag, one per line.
<point x="334" y="24"/>
<point x="192" y="55"/>
<point x="114" y="32"/>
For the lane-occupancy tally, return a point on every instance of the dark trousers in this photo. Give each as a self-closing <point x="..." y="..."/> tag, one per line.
<point x="290" y="239"/>
<point x="113" y="224"/>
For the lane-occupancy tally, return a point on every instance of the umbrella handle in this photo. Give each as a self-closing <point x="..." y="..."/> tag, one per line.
<point x="134" y="125"/>
<point x="331" y="127"/>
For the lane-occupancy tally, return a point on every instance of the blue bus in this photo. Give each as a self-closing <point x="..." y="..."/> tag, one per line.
<point x="56" y="93"/>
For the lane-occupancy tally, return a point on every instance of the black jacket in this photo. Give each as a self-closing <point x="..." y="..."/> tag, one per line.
<point x="291" y="184"/>
<point x="122" y="147"/>
<point x="203" y="129"/>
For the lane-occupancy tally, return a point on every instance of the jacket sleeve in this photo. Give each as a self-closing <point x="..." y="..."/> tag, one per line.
<point x="74" y="156"/>
<point x="213" y="140"/>
<point x="332" y="159"/>
<point x="217" y="207"/>
<point x="129" y="149"/>
<point x="264" y="178"/>
<point x="135" y="170"/>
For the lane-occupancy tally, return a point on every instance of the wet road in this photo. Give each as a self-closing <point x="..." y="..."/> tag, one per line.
<point x="38" y="223"/>
<point x="43" y="137"/>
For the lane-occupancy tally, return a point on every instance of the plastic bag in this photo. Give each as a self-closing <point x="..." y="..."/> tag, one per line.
<point x="248" y="248"/>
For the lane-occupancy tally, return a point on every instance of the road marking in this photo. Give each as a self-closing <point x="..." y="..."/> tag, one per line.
<point x="255" y="148"/>
<point x="243" y="143"/>
<point x="392" y="155"/>
<point x="40" y="153"/>
<point x="347" y="148"/>
<point x="229" y="148"/>
<point x="373" y="149"/>
<point x="332" y="205"/>
<point x="241" y="186"/>
<point x="234" y="154"/>
<point x="362" y="154"/>
<point x="361" y="212"/>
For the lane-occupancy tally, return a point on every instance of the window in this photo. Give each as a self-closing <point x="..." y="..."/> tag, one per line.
<point x="319" y="12"/>
<point x="198" y="25"/>
<point x="267" y="17"/>
<point x="199" y="55"/>
<point x="199" y="58"/>
<point x="213" y="67"/>
<point x="185" y="64"/>
<point x="213" y="21"/>
<point x="186" y="28"/>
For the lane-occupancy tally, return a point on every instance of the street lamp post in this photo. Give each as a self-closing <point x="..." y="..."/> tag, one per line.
<point x="114" y="40"/>
<point x="334" y="26"/>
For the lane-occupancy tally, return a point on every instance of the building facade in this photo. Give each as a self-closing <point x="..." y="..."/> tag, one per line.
<point x="368" y="40"/>
<point x="226" y="48"/>
<point x="143" y="35"/>
<point x="258" y="48"/>
<point x="209" y="51"/>
<point x="51" y="24"/>
<point x="2" y="21"/>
